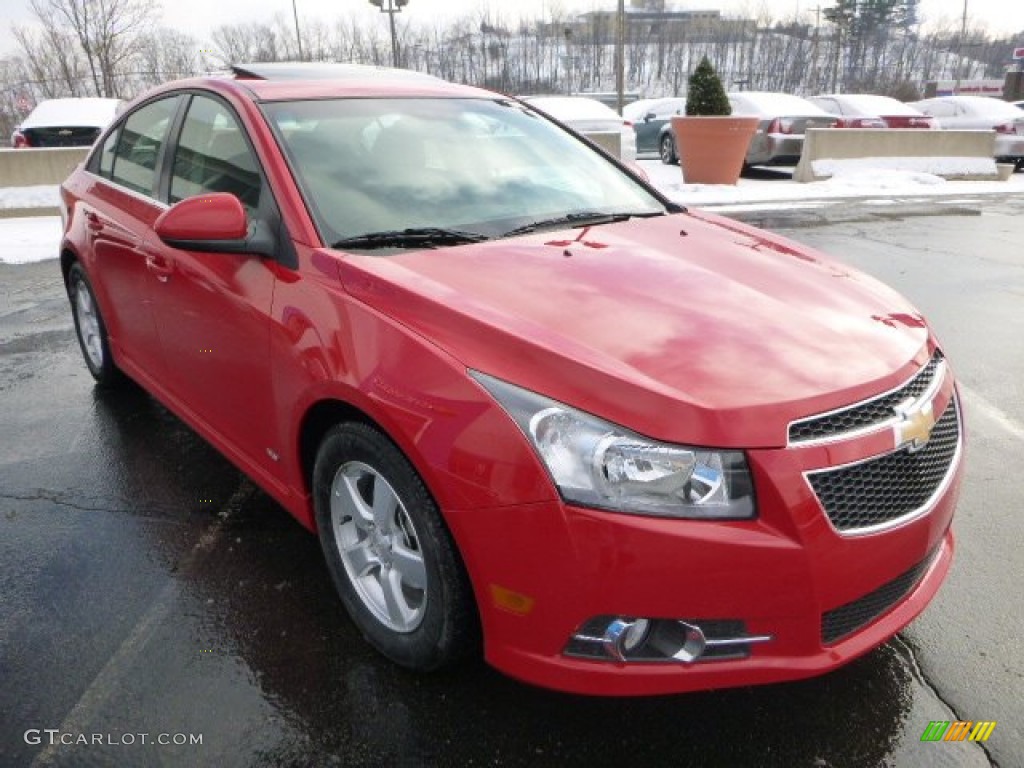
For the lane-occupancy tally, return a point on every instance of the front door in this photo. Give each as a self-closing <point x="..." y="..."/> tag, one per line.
<point x="212" y="309"/>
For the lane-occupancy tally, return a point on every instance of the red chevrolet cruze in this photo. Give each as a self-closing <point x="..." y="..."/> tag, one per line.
<point x="524" y="400"/>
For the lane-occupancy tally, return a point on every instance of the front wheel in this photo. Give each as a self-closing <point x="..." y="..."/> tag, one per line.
<point x="90" y="329"/>
<point x="390" y="555"/>
<point x="667" y="150"/>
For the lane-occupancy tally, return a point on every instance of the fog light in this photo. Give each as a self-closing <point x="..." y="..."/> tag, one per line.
<point x="635" y="635"/>
<point x="635" y="639"/>
<point x="680" y="641"/>
<point x="619" y="637"/>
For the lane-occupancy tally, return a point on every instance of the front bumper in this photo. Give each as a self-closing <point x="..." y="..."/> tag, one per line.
<point x="824" y="596"/>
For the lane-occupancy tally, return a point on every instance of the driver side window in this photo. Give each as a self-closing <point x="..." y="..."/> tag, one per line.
<point x="213" y="156"/>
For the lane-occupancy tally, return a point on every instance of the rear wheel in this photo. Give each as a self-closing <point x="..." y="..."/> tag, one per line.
<point x="91" y="330"/>
<point x="667" y="150"/>
<point x="390" y="555"/>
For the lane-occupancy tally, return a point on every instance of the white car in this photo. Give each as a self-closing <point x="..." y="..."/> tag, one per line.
<point x="588" y="116"/>
<point x="981" y="113"/>
<point x="65" y="123"/>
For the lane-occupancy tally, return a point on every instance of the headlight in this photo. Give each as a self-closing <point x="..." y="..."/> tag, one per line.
<point x="598" y="464"/>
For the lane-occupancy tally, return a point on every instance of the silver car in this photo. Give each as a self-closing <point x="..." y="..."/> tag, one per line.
<point x="981" y="113"/>
<point x="780" y="135"/>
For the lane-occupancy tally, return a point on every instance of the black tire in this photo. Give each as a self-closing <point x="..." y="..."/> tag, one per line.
<point x="667" y="150"/>
<point x="91" y="330"/>
<point x="355" y="462"/>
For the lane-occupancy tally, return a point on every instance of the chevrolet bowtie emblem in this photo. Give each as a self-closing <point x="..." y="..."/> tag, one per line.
<point x="915" y="425"/>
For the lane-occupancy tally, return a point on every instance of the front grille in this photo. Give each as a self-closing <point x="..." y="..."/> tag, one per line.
<point x="847" y="619"/>
<point x="885" y="489"/>
<point x="864" y="414"/>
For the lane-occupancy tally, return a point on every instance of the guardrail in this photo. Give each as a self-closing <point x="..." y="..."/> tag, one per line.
<point x="960" y="155"/>
<point x="29" y="167"/>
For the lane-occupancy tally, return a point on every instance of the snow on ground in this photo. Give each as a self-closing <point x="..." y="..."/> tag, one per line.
<point x="774" y="190"/>
<point x="39" y="196"/>
<point x="29" y="239"/>
<point x="33" y="239"/>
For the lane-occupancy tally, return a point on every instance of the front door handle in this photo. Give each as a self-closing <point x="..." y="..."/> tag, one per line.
<point x="159" y="265"/>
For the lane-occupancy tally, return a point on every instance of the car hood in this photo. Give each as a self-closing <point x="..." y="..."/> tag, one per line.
<point x="688" y="327"/>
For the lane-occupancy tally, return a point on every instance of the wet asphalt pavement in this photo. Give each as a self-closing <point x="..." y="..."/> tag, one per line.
<point x="147" y="587"/>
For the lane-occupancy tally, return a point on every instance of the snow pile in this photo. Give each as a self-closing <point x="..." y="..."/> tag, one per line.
<point x="946" y="167"/>
<point x="38" y="196"/>
<point x="29" y="239"/>
<point x="878" y="179"/>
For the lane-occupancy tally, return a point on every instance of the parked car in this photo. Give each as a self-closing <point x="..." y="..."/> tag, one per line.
<point x="780" y="135"/>
<point x="861" y="110"/>
<point x="981" y="113"/>
<point x="588" y="116"/>
<point x="651" y="121"/>
<point x="509" y="384"/>
<point x="65" y="123"/>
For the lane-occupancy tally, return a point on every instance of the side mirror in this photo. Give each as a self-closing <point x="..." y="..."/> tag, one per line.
<point x="214" y="223"/>
<point x="204" y="223"/>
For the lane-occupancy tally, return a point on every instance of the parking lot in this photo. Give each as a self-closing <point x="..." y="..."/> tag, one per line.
<point x="149" y="588"/>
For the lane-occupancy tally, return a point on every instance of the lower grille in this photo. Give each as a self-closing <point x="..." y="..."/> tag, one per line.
<point x="847" y="619"/>
<point x="884" y="490"/>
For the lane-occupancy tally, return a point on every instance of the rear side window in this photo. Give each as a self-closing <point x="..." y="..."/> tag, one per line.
<point x="106" y="160"/>
<point x="138" y="151"/>
<point x="213" y="156"/>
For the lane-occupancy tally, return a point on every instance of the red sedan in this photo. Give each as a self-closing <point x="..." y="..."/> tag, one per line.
<point x="528" y="404"/>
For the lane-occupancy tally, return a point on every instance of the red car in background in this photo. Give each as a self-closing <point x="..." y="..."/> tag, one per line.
<point x="856" y="110"/>
<point x="526" y="402"/>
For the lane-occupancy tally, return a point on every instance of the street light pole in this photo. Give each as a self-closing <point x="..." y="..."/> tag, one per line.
<point x="620" y="57"/>
<point x="391" y="7"/>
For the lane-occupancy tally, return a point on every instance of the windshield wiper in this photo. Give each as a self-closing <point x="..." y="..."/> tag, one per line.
<point x="414" y="237"/>
<point x="580" y="219"/>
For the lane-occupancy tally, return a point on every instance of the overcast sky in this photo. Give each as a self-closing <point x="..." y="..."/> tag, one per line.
<point x="198" y="17"/>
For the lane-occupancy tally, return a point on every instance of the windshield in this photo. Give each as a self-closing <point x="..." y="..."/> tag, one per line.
<point x="478" y="166"/>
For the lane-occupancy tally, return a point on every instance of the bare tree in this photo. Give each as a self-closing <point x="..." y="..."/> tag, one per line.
<point x="107" y="33"/>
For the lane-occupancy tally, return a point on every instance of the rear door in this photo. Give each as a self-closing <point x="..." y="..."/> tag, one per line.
<point x="119" y="211"/>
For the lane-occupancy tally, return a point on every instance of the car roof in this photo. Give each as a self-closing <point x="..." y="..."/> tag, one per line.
<point x="872" y="104"/>
<point x="368" y="83"/>
<point x="573" y="107"/>
<point x="642" y="106"/>
<point x="316" y="70"/>
<point x="977" y="105"/>
<point x="770" y="103"/>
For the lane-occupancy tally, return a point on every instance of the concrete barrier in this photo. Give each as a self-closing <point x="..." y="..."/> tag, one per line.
<point x="960" y="155"/>
<point x="28" y="167"/>
<point x="607" y="140"/>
